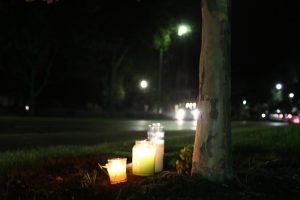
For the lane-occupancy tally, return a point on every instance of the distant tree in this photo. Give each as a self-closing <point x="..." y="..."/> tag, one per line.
<point x="37" y="57"/>
<point x="117" y="54"/>
<point x="161" y="42"/>
<point x="212" y="153"/>
<point x="162" y="39"/>
<point x="277" y="96"/>
<point x="29" y="50"/>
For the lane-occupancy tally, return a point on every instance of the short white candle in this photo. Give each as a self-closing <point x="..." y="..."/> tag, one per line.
<point x="159" y="154"/>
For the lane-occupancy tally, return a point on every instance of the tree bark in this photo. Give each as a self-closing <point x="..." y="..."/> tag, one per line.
<point x="212" y="147"/>
<point x="159" y="85"/>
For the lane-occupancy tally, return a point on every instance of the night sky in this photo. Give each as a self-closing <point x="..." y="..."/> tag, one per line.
<point x="265" y="46"/>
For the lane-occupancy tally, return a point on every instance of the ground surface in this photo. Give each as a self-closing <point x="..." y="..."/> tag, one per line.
<point x="63" y="179"/>
<point x="266" y="161"/>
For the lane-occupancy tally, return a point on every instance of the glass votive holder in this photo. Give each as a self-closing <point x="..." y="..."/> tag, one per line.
<point x="116" y="169"/>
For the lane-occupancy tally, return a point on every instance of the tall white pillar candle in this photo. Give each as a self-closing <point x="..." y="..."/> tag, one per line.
<point x="159" y="154"/>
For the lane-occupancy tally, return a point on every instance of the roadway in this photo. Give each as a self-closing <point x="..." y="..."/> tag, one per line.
<point x="20" y="133"/>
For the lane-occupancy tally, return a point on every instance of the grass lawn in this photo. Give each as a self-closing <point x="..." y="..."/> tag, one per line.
<point x="266" y="163"/>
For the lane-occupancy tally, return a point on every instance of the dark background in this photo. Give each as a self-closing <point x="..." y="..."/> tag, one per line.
<point x="82" y="39"/>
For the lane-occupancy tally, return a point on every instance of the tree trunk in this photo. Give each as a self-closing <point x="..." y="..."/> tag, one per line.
<point x="160" y="66"/>
<point x="212" y="153"/>
<point x="115" y="66"/>
<point x="32" y="88"/>
<point x="35" y="86"/>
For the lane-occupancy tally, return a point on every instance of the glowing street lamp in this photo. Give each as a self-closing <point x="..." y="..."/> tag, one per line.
<point x="278" y="86"/>
<point x="144" y="84"/>
<point x="164" y="44"/>
<point x="278" y="111"/>
<point x="244" y="102"/>
<point x="291" y="95"/>
<point x="183" y="29"/>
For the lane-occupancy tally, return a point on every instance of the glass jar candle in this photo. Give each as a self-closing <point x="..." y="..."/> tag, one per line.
<point x="143" y="158"/>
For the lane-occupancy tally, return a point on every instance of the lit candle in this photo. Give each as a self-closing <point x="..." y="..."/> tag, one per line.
<point x="159" y="154"/>
<point x="156" y="135"/>
<point x="143" y="158"/>
<point x="116" y="169"/>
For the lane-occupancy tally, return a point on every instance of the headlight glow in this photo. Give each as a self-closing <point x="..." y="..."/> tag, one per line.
<point x="180" y="113"/>
<point x="296" y="120"/>
<point x="195" y="114"/>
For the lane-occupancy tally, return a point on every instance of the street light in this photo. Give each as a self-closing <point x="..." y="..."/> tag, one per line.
<point x="291" y="95"/>
<point x="244" y="102"/>
<point x="165" y="39"/>
<point x="143" y="84"/>
<point x="183" y="29"/>
<point x="278" y="111"/>
<point x="278" y="86"/>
